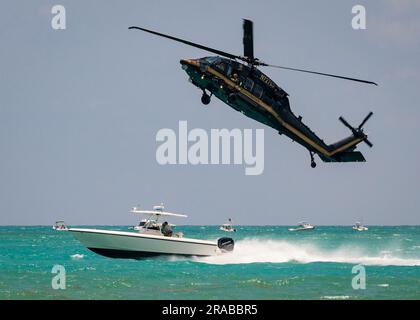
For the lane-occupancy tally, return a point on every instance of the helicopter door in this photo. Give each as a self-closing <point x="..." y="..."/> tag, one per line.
<point x="258" y="91"/>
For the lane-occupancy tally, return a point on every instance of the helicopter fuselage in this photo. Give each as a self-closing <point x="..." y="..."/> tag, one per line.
<point x="246" y="89"/>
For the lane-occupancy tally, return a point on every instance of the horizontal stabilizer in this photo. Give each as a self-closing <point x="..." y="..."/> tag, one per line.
<point x="353" y="156"/>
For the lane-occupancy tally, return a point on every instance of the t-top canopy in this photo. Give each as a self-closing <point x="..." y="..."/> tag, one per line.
<point x="157" y="213"/>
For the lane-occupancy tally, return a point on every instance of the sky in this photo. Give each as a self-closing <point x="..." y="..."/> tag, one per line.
<point x="80" y="109"/>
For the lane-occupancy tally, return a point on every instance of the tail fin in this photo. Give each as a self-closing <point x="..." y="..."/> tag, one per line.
<point x="345" y="156"/>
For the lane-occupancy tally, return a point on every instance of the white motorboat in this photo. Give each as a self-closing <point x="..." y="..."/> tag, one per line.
<point x="60" y="226"/>
<point x="359" y="227"/>
<point x="303" y="226"/>
<point x="152" y="238"/>
<point x="227" y="227"/>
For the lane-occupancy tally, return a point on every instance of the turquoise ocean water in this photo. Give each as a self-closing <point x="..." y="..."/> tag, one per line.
<point x="269" y="262"/>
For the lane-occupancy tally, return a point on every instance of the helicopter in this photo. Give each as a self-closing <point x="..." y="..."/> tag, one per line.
<point x="237" y="81"/>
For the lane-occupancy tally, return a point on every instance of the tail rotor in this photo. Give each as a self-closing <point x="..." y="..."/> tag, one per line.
<point x="358" y="132"/>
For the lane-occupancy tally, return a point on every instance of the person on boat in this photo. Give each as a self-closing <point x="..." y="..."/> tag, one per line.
<point x="166" y="229"/>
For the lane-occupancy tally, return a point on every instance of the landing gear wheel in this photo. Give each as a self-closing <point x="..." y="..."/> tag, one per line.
<point x="313" y="164"/>
<point x="205" y="98"/>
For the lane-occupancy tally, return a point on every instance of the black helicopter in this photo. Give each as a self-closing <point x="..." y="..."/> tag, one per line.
<point x="246" y="89"/>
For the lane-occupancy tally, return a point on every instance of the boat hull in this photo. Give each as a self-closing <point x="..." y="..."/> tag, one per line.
<point x="302" y="229"/>
<point x="360" y="228"/>
<point x="119" y="244"/>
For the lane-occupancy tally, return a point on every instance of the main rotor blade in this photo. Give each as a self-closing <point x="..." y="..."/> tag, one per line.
<point x="196" y="45"/>
<point x="248" y="40"/>
<point x="365" y="120"/>
<point x="248" y="51"/>
<point x="318" y="73"/>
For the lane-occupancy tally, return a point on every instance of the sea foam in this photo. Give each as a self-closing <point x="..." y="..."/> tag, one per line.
<point x="278" y="251"/>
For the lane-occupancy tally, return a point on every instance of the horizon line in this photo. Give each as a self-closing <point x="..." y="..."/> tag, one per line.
<point x="216" y="225"/>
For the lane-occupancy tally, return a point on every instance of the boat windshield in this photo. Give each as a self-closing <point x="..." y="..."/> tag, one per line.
<point x="151" y="224"/>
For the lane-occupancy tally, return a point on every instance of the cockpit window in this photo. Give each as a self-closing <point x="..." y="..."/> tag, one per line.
<point x="212" y="60"/>
<point x="229" y="70"/>
<point x="221" y="66"/>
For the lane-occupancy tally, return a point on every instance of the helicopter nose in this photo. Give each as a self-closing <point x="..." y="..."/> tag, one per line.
<point x="184" y="64"/>
<point x="188" y="62"/>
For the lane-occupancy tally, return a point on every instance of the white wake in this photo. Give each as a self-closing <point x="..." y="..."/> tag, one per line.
<point x="277" y="251"/>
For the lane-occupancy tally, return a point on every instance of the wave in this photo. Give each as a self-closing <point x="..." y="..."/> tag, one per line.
<point x="335" y="297"/>
<point x="77" y="256"/>
<point x="277" y="251"/>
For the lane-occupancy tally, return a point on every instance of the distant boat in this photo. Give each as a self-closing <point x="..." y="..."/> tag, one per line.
<point x="359" y="227"/>
<point x="60" y="226"/>
<point x="303" y="226"/>
<point x="227" y="227"/>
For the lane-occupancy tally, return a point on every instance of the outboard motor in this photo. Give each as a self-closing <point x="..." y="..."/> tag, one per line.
<point x="226" y="244"/>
